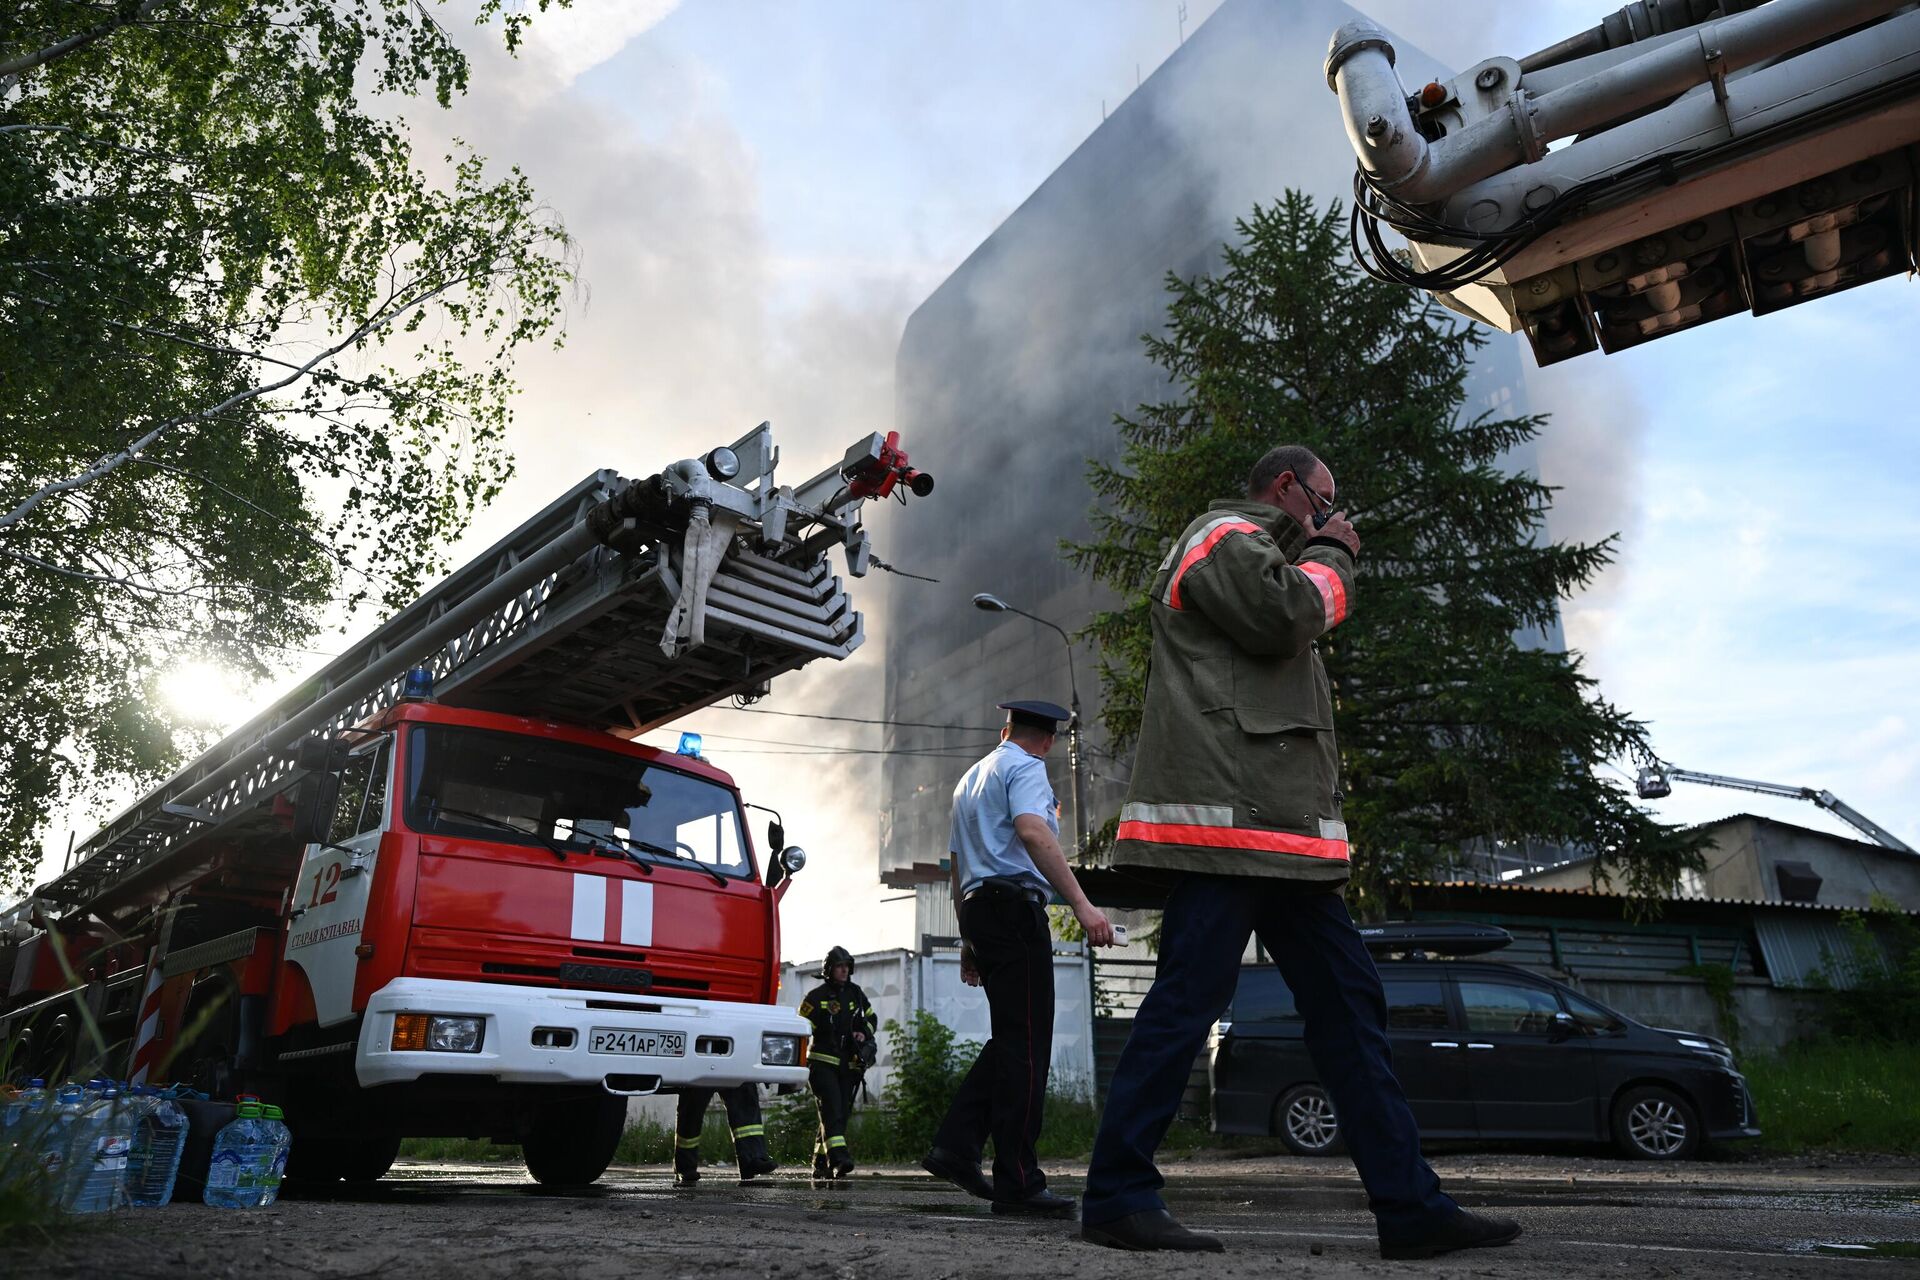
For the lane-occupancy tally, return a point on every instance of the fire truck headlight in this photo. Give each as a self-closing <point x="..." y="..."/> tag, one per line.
<point x="456" y="1035"/>
<point x="779" y="1051"/>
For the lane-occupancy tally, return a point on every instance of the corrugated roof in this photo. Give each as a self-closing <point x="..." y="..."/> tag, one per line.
<point x="1490" y="886"/>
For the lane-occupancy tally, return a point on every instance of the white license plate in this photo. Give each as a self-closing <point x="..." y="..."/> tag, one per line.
<point x="653" y="1044"/>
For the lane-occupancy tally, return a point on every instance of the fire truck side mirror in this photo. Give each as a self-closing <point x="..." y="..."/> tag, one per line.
<point x="313" y="804"/>
<point x="776" y="835"/>
<point x="315" y="794"/>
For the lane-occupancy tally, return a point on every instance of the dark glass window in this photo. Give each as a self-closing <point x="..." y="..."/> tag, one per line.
<point x="362" y="802"/>
<point x="1416" y="1004"/>
<point x="1593" y="1020"/>
<point x="1262" y="997"/>
<point x="1493" y="1006"/>
<point x="523" y="790"/>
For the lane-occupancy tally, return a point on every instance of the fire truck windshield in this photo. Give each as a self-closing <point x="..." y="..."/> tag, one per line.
<point x="499" y="786"/>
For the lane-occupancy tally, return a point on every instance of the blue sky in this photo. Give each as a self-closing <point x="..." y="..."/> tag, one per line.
<point x="761" y="192"/>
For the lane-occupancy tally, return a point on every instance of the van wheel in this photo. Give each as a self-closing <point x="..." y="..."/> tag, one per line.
<point x="572" y="1143"/>
<point x="1653" y="1123"/>
<point x="1304" y="1120"/>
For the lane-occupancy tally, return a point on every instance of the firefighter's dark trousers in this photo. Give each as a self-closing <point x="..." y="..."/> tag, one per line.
<point x="833" y="1089"/>
<point x="1004" y="1094"/>
<point x="1317" y="950"/>
<point x="743" y="1118"/>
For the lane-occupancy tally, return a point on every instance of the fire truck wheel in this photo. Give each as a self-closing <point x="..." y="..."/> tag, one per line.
<point x="320" y="1160"/>
<point x="572" y="1142"/>
<point x="368" y="1159"/>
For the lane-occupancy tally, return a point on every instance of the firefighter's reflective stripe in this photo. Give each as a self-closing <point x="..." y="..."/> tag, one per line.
<point x="750" y="1131"/>
<point x="625" y="917"/>
<point x="1200" y="546"/>
<point x="827" y="1058"/>
<point x="687" y="1144"/>
<point x="1211" y="827"/>
<point x="836" y="1141"/>
<point x="1186" y="815"/>
<point x="1333" y="592"/>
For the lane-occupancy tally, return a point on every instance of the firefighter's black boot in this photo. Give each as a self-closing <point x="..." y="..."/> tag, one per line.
<point x="750" y="1149"/>
<point x="838" y="1158"/>
<point x="686" y="1161"/>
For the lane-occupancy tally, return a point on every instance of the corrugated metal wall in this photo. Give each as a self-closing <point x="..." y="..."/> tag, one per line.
<point x="1802" y="952"/>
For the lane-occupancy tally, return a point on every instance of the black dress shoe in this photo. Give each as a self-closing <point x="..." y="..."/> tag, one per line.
<point x="1041" y="1204"/>
<point x="960" y="1171"/>
<point x="1462" y="1231"/>
<point x="1147" y="1230"/>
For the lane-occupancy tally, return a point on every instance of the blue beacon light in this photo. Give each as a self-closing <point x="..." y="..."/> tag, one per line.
<point x="419" y="685"/>
<point x="689" y="745"/>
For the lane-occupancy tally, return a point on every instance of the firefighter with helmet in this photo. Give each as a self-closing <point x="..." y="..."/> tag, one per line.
<point x="844" y="1027"/>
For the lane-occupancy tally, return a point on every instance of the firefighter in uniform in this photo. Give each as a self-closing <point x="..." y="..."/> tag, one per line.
<point x="844" y="1026"/>
<point x="1233" y="811"/>
<point x="1005" y="846"/>
<point x="743" y="1120"/>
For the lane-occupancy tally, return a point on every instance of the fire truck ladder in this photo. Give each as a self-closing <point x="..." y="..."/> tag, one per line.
<point x="624" y="604"/>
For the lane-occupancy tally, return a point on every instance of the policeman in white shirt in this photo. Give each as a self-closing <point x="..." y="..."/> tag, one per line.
<point x="1006" y="852"/>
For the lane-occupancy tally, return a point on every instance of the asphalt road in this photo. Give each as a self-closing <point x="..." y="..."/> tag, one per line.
<point x="1583" y="1217"/>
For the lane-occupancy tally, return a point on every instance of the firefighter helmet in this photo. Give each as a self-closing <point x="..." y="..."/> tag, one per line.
<point x="837" y="956"/>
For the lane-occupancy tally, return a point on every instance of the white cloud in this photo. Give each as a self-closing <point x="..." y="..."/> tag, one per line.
<point x="561" y="45"/>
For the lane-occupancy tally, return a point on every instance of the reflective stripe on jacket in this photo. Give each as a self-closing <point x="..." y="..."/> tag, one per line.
<point x="1236" y="772"/>
<point x="836" y="1012"/>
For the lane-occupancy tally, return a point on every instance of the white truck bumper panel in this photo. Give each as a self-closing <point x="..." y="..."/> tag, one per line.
<point x="626" y="1042"/>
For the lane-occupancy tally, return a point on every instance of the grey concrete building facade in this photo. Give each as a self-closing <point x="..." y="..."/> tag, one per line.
<point x="1009" y="376"/>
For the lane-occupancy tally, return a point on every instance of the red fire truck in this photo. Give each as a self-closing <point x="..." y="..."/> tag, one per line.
<point x="437" y="890"/>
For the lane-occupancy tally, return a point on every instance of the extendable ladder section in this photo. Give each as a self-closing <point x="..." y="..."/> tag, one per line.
<point x="623" y="605"/>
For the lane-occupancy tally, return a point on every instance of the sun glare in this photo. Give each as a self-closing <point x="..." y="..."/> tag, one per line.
<point x="206" y="695"/>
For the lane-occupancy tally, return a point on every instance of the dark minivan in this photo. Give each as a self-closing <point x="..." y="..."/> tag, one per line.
<point x="1483" y="1050"/>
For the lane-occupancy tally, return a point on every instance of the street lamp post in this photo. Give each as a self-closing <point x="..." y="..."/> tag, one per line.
<point x="994" y="604"/>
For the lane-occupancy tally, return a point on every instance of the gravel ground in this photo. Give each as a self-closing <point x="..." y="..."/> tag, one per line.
<point x="1811" y="1217"/>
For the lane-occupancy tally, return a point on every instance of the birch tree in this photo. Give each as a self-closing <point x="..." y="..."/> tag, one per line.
<point x="255" y="352"/>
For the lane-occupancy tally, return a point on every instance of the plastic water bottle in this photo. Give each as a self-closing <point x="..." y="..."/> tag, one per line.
<point x="28" y="1102"/>
<point x="273" y="1123"/>
<point x="242" y="1160"/>
<point x="159" y="1140"/>
<point x="64" y="1128"/>
<point x="96" y="1177"/>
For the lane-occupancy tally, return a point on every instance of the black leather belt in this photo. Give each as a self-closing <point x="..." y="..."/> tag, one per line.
<point x="997" y="887"/>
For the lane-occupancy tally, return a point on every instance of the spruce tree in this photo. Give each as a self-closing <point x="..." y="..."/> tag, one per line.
<point x="1452" y="732"/>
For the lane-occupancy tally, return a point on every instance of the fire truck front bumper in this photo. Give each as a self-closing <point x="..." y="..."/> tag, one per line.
<point x="626" y="1043"/>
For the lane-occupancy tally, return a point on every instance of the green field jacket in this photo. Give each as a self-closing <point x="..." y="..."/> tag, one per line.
<point x="1236" y="772"/>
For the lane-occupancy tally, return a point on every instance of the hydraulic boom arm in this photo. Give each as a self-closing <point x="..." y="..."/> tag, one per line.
<point x="1683" y="161"/>
<point x="1655" y="783"/>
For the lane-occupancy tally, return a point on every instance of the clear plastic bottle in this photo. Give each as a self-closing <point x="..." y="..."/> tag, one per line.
<point x="242" y="1159"/>
<point x="159" y="1140"/>
<point x="65" y="1128"/>
<point x="29" y="1101"/>
<point x="273" y="1122"/>
<point x="96" y="1166"/>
